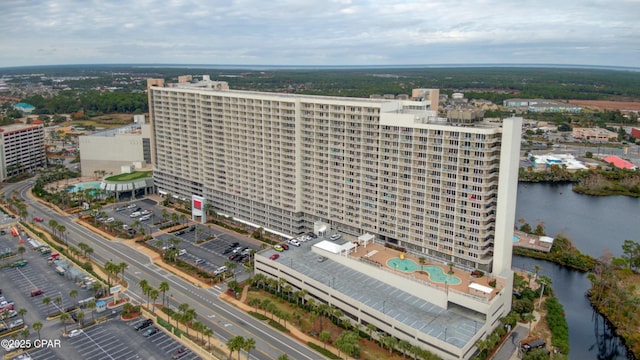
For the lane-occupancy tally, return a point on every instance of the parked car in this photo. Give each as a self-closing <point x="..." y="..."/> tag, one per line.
<point x="294" y="242"/>
<point x="180" y="353"/>
<point x="322" y="259"/>
<point x="38" y="219"/>
<point x="145" y="218"/>
<point x="335" y="237"/>
<point x="36" y="292"/>
<point x="16" y="323"/>
<point x="278" y="248"/>
<point x="199" y="261"/>
<point x="274" y="256"/>
<point x="145" y="212"/>
<point x="182" y="252"/>
<point x="75" y="332"/>
<point x="150" y="331"/>
<point x="135" y="214"/>
<point x="285" y="246"/>
<point x="110" y="220"/>
<point x="143" y="324"/>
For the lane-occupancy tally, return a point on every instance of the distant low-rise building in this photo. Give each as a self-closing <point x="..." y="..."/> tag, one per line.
<point x="540" y="105"/>
<point x="594" y="134"/>
<point x="635" y="132"/>
<point x="619" y="163"/>
<point x="21" y="149"/>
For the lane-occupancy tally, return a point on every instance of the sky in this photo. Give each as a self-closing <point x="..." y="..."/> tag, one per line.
<point x="320" y="32"/>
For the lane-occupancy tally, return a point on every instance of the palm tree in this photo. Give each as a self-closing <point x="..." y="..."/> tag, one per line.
<point x="163" y="287"/>
<point x="62" y="229"/>
<point x="63" y="318"/>
<point x="58" y="300"/>
<point x="25" y="333"/>
<point x="37" y="326"/>
<point x="22" y="312"/>
<point x="80" y="317"/>
<point x="207" y="332"/>
<point x="92" y="306"/>
<point x="370" y="329"/>
<point x="235" y="344"/>
<point x="153" y="295"/>
<point x="73" y="293"/>
<point x="248" y="345"/>
<point x="404" y="347"/>
<point x="122" y="266"/>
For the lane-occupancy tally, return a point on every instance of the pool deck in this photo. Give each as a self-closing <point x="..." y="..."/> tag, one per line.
<point x="533" y="242"/>
<point x="62" y="184"/>
<point x="379" y="254"/>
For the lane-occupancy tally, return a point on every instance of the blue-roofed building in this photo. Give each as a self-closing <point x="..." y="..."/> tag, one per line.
<point x="24" y="108"/>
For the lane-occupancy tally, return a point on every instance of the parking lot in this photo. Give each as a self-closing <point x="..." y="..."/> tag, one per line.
<point x="115" y="340"/>
<point x="208" y="255"/>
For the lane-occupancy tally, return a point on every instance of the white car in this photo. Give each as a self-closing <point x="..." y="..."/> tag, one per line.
<point x="132" y="206"/>
<point x="110" y="220"/>
<point x="182" y="252"/>
<point x="294" y="242"/>
<point x="145" y="218"/>
<point x="16" y="323"/>
<point x="74" y="333"/>
<point x="145" y="212"/>
<point x="135" y="214"/>
<point x="335" y="237"/>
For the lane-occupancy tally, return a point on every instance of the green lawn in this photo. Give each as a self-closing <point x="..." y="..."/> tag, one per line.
<point x="130" y="176"/>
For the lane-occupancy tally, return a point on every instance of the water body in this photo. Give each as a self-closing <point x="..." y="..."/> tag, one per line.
<point x="596" y="225"/>
<point x="590" y="337"/>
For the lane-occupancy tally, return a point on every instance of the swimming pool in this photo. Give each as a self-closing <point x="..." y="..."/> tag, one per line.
<point x="516" y="238"/>
<point x="436" y="274"/>
<point x="83" y="186"/>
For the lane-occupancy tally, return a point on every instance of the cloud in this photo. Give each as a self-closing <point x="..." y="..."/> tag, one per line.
<point x="325" y="32"/>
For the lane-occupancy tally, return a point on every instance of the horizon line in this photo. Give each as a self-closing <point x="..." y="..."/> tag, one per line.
<point x="360" y="66"/>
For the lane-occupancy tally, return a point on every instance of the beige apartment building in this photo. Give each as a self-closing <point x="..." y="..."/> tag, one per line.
<point x="21" y="149"/>
<point x="386" y="167"/>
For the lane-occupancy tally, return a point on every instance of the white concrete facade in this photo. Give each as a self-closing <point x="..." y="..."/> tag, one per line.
<point x="110" y="150"/>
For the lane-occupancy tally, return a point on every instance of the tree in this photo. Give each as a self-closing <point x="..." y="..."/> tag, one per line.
<point x="248" y="345"/>
<point x="21" y="251"/>
<point x="207" y="332"/>
<point x="283" y="357"/>
<point x="153" y="294"/>
<point x="122" y="266"/>
<point x="22" y="312"/>
<point x="529" y="317"/>
<point x="325" y="336"/>
<point x="92" y="306"/>
<point x="80" y="316"/>
<point x="163" y="287"/>
<point x="63" y="318"/>
<point x="235" y="344"/>
<point x="47" y="301"/>
<point x="37" y="326"/>
<point x="73" y="293"/>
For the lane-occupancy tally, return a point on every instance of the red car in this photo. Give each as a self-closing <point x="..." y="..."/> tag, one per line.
<point x="285" y="246"/>
<point x="274" y="256"/>
<point x="38" y="219"/>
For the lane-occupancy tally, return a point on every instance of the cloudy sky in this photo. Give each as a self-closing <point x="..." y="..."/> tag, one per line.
<point x="320" y="32"/>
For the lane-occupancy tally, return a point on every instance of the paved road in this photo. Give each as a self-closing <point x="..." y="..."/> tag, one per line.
<point x="509" y="347"/>
<point x="225" y="320"/>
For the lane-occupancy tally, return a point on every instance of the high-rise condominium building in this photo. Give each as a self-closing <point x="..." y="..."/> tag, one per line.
<point x="387" y="167"/>
<point x="21" y="148"/>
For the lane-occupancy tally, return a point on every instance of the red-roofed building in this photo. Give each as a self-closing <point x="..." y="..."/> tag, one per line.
<point x="635" y="132"/>
<point x="619" y="163"/>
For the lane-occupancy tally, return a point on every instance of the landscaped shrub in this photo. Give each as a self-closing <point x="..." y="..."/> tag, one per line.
<point x="557" y="324"/>
<point x="323" y="351"/>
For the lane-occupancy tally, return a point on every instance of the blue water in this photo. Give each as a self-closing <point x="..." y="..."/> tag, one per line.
<point x="436" y="274"/>
<point x="515" y="238"/>
<point x="83" y="186"/>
